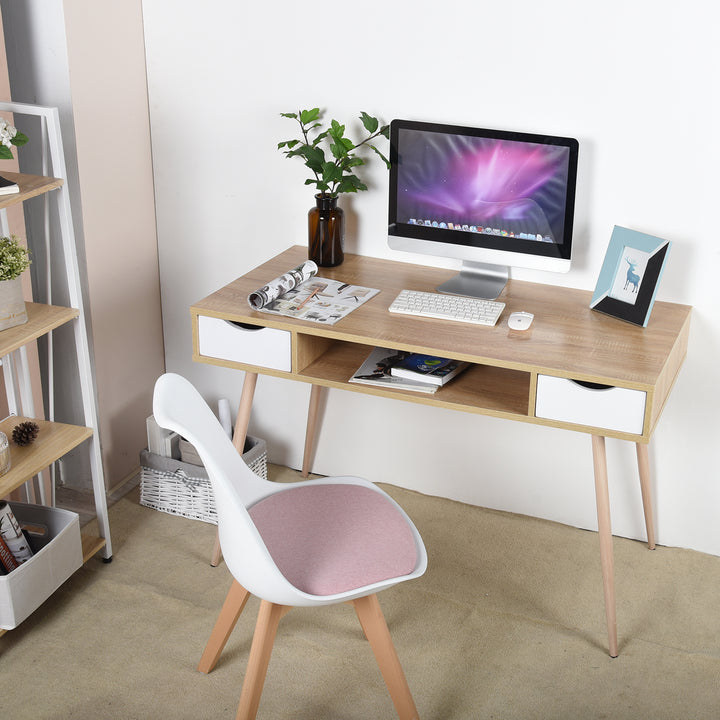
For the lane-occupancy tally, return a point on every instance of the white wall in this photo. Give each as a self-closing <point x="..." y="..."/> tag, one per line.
<point x="627" y="79"/>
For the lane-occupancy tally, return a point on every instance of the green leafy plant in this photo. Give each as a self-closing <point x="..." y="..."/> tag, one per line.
<point x="334" y="173"/>
<point x="9" y="136"/>
<point x="14" y="258"/>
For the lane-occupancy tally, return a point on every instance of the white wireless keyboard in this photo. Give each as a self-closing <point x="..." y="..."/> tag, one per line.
<point x="455" y="308"/>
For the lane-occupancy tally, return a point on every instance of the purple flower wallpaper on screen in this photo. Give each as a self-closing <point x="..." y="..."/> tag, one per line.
<point x="485" y="185"/>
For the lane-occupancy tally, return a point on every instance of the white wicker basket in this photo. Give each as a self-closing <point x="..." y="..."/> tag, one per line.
<point x="180" y="488"/>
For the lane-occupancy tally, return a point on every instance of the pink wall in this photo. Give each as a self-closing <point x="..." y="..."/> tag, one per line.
<point x="106" y="59"/>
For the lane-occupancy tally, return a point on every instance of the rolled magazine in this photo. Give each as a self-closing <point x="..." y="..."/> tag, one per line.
<point x="281" y="285"/>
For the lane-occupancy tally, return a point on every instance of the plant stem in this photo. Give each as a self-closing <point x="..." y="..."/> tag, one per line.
<point x="307" y="140"/>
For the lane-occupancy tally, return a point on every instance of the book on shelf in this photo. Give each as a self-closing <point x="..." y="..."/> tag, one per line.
<point x="428" y="369"/>
<point x="7" y="560"/>
<point x="14" y="539"/>
<point x="8" y="187"/>
<point x="377" y="370"/>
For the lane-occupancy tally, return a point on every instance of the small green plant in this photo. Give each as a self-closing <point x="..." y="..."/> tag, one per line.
<point x="335" y="173"/>
<point x="14" y="258"/>
<point x="9" y="136"/>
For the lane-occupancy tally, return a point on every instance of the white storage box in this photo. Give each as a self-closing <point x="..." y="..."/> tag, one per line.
<point x="55" y="559"/>
<point x="181" y="488"/>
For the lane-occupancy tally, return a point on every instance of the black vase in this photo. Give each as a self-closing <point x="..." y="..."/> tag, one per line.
<point x="326" y="232"/>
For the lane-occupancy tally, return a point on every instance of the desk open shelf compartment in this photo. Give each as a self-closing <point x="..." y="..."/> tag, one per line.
<point x="492" y="390"/>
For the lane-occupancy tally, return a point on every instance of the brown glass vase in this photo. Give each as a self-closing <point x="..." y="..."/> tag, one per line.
<point x="326" y="232"/>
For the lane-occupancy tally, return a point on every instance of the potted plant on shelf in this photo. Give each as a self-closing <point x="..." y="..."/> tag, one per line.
<point x="332" y="174"/>
<point x="14" y="260"/>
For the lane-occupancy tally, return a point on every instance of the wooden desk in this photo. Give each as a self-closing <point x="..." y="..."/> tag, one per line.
<point x="534" y="376"/>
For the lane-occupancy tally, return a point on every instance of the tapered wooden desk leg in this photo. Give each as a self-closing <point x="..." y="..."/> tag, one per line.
<point x="217" y="551"/>
<point x="376" y="631"/>
<point x="260" y="651"/>
<point x="243" y="416"/>
<point x="607" y="560"/>
<point x="239" y="434"/>
<point x="233" y="606"/>
<point x="313" y="411"/>
<point x="644" y="470"/>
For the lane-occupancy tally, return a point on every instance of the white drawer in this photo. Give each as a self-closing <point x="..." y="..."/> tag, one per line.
<point x="611" y="408"/>
<point x="260" y="346"/>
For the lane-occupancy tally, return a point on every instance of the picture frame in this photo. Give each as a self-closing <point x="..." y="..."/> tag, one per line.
<point x="629" y="277"/>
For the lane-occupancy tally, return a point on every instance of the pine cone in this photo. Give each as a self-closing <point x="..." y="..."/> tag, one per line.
<point x="25" y="433"/>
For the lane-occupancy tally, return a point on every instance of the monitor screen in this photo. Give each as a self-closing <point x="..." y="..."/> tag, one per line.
<point x="477" y="195"/>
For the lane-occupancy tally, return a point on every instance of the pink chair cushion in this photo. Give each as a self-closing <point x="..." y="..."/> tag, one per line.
<point x="328" y="539"/>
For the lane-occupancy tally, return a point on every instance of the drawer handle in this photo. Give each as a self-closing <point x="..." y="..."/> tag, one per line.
<point x="245" y="326"/>
<point x="592" y="385"/>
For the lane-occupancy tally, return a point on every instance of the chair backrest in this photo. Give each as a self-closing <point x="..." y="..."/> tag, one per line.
<point x="178" y="406"/>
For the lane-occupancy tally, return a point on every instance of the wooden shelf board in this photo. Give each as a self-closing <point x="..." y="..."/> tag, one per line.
<point x="53" y="441"/>
<point x="30" y="186"/>
<point x="41" y="320"/>
<point x="91" y="545"/>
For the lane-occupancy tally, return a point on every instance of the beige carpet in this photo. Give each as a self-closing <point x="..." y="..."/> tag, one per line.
<point x="508" y="622"/>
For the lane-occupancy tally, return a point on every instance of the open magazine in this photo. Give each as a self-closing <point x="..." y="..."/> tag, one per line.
<point x="301" y="294"/>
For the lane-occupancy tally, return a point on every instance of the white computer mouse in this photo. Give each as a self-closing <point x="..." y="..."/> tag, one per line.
<point x="520" y="320"/>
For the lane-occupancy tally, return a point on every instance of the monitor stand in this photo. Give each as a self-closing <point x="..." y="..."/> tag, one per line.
<point x="477" y="279"/>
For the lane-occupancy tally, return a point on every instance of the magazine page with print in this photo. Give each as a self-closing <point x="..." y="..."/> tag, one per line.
<point x="301" y="294"/>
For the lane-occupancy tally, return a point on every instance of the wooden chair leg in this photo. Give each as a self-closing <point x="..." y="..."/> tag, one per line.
<point x="376" y="631"/>
<point x="232" y="607"/>
<point x="646" y="491"/>
<point x="260" y="650"/>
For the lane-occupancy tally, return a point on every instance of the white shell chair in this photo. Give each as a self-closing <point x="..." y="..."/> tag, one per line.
<point x="315" y="542"/>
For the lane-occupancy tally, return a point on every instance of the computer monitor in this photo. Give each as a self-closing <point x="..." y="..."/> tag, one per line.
<point x="493" y="199"/>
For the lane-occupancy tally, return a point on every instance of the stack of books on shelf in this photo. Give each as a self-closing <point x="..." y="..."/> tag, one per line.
<point x="8" y="187"/>
<point x="407" y="371"/>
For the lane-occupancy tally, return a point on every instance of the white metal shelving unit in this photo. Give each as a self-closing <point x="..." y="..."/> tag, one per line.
<point x="55" y="439"/>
